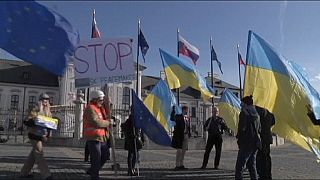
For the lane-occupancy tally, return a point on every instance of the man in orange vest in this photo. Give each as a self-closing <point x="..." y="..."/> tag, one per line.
<point x="96" y="124"/>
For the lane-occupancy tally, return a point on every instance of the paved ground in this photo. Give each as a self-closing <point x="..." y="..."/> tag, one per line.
<point x="289" y="162"/>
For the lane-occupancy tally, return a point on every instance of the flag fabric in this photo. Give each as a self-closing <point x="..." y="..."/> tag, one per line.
<point x="160" y="102"/>
<point x="36" y="34"/>
<point x="143" y="44"/>
<point x="188" y="49"/>
<point x="241" y="62"/>
<point x="181" y="73"/>
<point x="95" y="33"/>
<point x="229" y="108"/>
<point x="279" y="86"/>
<point x="148" y="123"/>
<point x="215" y="58"/>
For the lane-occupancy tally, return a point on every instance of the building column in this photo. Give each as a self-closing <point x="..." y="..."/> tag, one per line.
<point x="79" y="106"/>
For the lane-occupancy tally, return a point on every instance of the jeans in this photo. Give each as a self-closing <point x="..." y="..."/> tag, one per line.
<point x="132" y="159"/>
<point x="246" y="156"/>
<point x="264" y="162"/>
<point x="98" y="156"/>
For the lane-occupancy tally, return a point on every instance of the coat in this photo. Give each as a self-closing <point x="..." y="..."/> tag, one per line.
<point x="129" y="138"/>
<point x="179" y="129"/>
<point x="249" y="129"/>
<point x="267" y="120"/>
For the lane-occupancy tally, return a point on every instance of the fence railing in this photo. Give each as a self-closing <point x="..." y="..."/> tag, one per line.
<point x="11" y="121"/>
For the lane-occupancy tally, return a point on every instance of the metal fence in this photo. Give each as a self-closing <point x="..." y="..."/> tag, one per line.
<point x="11" y="121"/>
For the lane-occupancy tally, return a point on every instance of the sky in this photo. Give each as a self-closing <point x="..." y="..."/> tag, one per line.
<point x="292" y="28"/>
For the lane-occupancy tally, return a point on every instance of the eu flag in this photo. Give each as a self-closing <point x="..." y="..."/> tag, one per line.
<point x="143" y="45"/>
<point x="36" y="34"/>
<point x="148" y="123"/>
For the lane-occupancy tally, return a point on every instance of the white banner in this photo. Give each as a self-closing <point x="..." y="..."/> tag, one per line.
<point x="99" y="61"/>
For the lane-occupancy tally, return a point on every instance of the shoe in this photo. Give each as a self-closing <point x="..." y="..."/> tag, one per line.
<point x="27" y="176"/>
<point x="216" y="167"/>
<point x="176" y="168"/>
<point x="182" y="168"/>
<point x="132" y="173"/>
<point x="203" y="167"/>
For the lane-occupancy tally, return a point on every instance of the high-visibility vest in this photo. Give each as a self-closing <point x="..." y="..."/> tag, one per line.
<point x="89" y="129"/>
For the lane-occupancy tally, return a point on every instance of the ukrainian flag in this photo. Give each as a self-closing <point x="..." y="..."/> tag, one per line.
<point x="281" y="87"/>
<point x="229" y="109"/>
<point x="160" y="102"/>
<point x="181" y="73"/>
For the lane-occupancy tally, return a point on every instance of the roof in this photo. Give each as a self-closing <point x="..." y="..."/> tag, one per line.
<point x="148" y="82"/>
<point x="21" y="72"/>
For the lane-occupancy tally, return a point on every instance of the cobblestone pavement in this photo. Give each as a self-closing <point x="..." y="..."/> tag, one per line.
<point x="289" y="162"/>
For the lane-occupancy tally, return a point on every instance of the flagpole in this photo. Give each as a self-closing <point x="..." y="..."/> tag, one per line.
<point x="212" y="80"/>
<point x="93" y="17"/>
<point x="137" y="92"/>
<point x="239" y="72"/>
<point x="178" y="89"/>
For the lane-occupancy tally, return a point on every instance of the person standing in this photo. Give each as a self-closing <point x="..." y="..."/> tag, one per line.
<point x="133" y="143"/>
<point x="248" y="136"/>
<point x="96" y="122"/>
<point x="37" y="136"/>
<point x="181" y="134"/>
<point x="215" y="126"/>
<point x="267" y="120"/>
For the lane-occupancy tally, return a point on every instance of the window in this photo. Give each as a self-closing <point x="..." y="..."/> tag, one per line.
<point x="26" y="75"/>
<point x="193" y="112"/>
<point x="32" y="101"/>
<point x="14" y="101"/>
<point x="126" y="96"/>
<point x="216" y="92"/>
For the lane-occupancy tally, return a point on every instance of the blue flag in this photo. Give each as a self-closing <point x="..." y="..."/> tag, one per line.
<point x="36" y="34"/>
<point x="215" y="58"/>
<point x="148" y="123"/>
<point x="143" y="45"/>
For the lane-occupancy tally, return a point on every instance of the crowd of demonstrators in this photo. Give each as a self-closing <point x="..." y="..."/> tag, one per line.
<point x="254" y="137"/>
<point x="96" y="124"/>
<point x="134" y="141"/>
<point x="181" y="134"/>
<point x="37" y="135"/>
<point x="215" y="126"/>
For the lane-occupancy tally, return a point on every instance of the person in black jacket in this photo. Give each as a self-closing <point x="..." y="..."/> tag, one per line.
<point x="248" y="135"/>
<point x="133" y="143"/>
<point x="215" y="126"/>
<point x="181" y="133"/>
<point x="267" y="120"/>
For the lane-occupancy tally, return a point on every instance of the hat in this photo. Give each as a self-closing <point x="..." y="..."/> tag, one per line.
<point x="96" y="94"/>
<point x="247" y="100"/>
<point x="44" y="96"/>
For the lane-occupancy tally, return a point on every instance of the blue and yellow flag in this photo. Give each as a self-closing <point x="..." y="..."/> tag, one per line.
<point x="160" y="102"/>
<point x="229" y="108"/>
<point x="148" y="123"/>
<point x="36" y="34"/>
<point x="279" y="86"/>
<point x="181" y="73"/>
